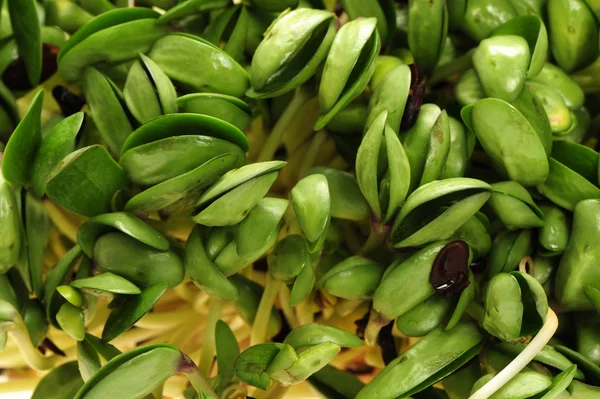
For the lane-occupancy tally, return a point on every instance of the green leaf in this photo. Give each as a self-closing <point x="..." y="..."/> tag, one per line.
<point x="10" y="227"/>
<point x="72" y="295"/>
<point x="294" y="46"/>
<point x="251" y="365"/>
<point x="107" y="282"/>
<point x="37" y="227"/>
<point x="227" y="108"/>
<point x="185" y="125"/>
<point x="185" y="186"/>
<point x="312" y="205"/>
<point x="70" y="319"/>
<point x="136" y="262"/>
<point x="348" y="68"/>
<point x="85" y="181"/>
<point x="104" y="349"/>
<point x="353" y="278"/>
<point x="220" y="74"/>
<point x="256" y="230"/>
<point x="233" y="206"/>
<point x="330" y="381"/>
<point x="106" y="109"/>
<point x="55" y="277"/>
<point x="63" y="382"/>
<point x="88" y="360"/>
<point x="126" y="223"/>
<point x="134" y="374"/>
<point x="26" y="28"/>
<point x="589" y="368"/>
<point x="430" y="360"/>
<point x="128" y="32"/>
<point x="314" y="334"/>
<point x="227" y="352"/>
<point x="21" y="148"/>
<point x="132" y="308"/>
<point x="59" y="143"/>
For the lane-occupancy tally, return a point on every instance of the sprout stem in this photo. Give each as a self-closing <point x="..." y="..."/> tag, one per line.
<point x="30" y="354"/>
<point x="375" y="324"/>
<point x="453" y="67"/>
<point x="200" y="384"/>
<point x="288" y="312"/>
<point x="268" y="151"/>
<point x="522" y="360"/>
<point x="209" y="346"/>
<point x="315" y="148"/>
<point x="261" y="321"/>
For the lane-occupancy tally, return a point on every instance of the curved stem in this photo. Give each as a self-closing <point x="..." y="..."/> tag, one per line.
<point x="453" y="67"/>
<point x="305" y="310"/>
<point x="30" y="354"/>
<point x="288" y="312"/>
<point x="261" y="321"/>
<point x="522" y="360"/>
<point x="209" y="346"/>
<point x="278" y="131"/>
<point x="200" y="384"/>
<point x="375" y="240"/>
<point x="375" y="324"/>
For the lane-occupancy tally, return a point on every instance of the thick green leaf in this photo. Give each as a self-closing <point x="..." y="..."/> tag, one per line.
<point x="431" y="359"/>
<point x="185" y="125"/>
<point x="85" y="181"/>
<point x="131" y="309"/>
<point x="61" y="383"/>
<point x="314" y="334"/>
<point x="107" y="282"/>
<point x="106" y="109"/>
<point x="142" y="265"/>
<point x="227" y="352"/>
<point x="21" y="148"/>
<point x="26" y="27"/>
<point x="186" y="185"/>
<point x="217" y="73"/>
<point x="124" y="222"/>
<point x="134" y="374"/>
<point x="37" y="227"/>
<point x="59" y="143"/>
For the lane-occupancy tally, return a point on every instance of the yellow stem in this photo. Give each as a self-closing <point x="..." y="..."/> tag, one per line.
<point x="208" y="348"/>
<point x="522" y="360"/>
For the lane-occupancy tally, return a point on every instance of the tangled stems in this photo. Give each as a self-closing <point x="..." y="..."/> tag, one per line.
<point x="522" y="360"/>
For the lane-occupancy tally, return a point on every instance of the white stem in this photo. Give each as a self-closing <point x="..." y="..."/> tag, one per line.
<point x="522" y="360"/>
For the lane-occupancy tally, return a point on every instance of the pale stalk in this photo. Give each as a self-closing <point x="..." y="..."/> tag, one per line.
<point x="288" y="312"/>
<point x="30" y="354"/>
<point x="276" y="135"/>
<point x="375" y="324"/>
<point x="261" y="321"/>
<point x="209" y="347"/>
<point x="185" y="291"/>
<point x="305" y="310"/>
<point x="454" y="67"/>
<point x="522" y="360"/>
<point x="62" y="222"/>
<point x="200" y="384"/>
<point x="344" y="307"/>
<point x="314" y="149"/>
